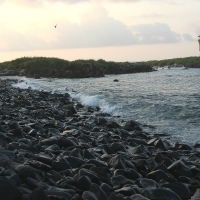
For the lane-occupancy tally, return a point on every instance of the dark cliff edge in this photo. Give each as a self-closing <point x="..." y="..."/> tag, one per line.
<point x="37" y="67"/>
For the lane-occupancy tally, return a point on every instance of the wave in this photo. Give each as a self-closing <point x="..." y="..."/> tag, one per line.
<point x="94" y="100"/>
<point x="86" y="100"/>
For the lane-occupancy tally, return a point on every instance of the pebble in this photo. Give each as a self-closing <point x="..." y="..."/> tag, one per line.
<point x="54" y="148"/>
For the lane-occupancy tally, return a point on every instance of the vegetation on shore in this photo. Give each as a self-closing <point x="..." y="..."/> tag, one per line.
<point x="193" y="62"/>
<point x="44" y="62"/>
<point x="59" y="68"/>
<point x="55" y="67"/>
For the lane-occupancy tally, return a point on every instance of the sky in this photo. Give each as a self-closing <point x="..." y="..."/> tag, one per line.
<point x="113" y="30"/>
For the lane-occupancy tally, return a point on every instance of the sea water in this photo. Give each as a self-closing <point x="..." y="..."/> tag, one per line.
<point x="168" y="99"/>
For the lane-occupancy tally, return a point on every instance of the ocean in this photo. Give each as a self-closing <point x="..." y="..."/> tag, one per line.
<point x="168" y="99"/>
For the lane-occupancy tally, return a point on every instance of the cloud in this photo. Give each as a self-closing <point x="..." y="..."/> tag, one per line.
<point x="80" y="1"/>
<point x="188" y="37"/>
<point x="15" y="41"/>
<point x="100" y="30"/>
<point x="155" y="33"/>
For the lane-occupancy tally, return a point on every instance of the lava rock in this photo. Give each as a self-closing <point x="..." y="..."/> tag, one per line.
<point x="8" y="191"/>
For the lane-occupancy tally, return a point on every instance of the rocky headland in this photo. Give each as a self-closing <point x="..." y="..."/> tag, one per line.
<point x="57" y="68"/>
<point x="54" y="148"/>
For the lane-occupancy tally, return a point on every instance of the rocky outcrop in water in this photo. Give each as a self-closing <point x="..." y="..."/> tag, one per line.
<point x="54" y="148"/>
<point x="77" y="71"/>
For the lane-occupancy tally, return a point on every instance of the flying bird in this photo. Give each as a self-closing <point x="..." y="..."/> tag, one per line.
<point x="55" y="26"/>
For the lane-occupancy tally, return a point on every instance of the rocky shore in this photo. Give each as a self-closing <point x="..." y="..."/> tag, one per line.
<point x="54" y="148"/>
<point x="78" y="71"/>
<point x="56" y="68"/>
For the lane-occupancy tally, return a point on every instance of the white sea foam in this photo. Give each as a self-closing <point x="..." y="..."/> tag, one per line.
<point x="25" y="85"/>
<point x="93" y="100"/>
<point x="172" y="107"/>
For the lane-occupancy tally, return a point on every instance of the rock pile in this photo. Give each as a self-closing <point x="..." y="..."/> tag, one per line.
<point x="53" y="148"/>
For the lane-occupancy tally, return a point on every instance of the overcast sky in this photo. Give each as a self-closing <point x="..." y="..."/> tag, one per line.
<point x="118" y="30"/>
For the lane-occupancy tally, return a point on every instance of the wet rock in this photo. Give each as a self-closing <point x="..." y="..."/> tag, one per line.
<point x="84" y="183"/>
<point x="62" y="150"/>
<point x="101" y="195"/>
<point x="25" y="197"/>
<point x="44" y="158"/>
<point x="160" y="193"/>
<point x="161" y="145"/>
<point x="64" y="142"/>
<point x="59" y="193"/>
<point x="128" y="173"/>
<point x="131" y="126"/>
<point x="178" y="168"/>
<point x="107" y="189"/>
<point x="119" y="181"/>
<point x="102" y="171"/>
<point x="180" y="189"/>
<point x="39" y="194"/>
<point x="32" y="132"/>
<point x="138" y="197"/>
<point x="157" y="175"/>
<point x="113" y="196"/>
<point x="49" y="141"/>
<point x="8" y="153"/>
<point x="117" y="147"/>
<point x="183" y="179"/>
<point x="76" y="152"/>
<point x="76" y="197"/>
<point x="35" y="184"/>
<point x="127" y="191"/>
<point x="75" y="162"/>
<point x="8" y="190"/>
<point x="184" y="146"/>
<point x="118" y="162"/>
<point x="15" y="179"/>
<point x="84" y="172"/>
<point x="112" y="124"/>
<point x="60" y="166"/>
<point x="148" y="183"/>
<point x="98" y="163"/>
<point x="88" y="154"/>
<point x="196" y="196"/>
<point x="40" y="165"/>
<point x="87" y="195"/>
<point x="161" y="167"/>
<point x="141" y="149"/>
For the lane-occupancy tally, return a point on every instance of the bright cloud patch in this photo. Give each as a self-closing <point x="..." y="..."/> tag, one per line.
<point x="188" y="38"/>
<point x="155" y="33"/>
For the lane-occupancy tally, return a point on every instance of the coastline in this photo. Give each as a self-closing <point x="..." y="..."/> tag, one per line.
<point x="37" y="67"/>
<point x="52" y="145"/>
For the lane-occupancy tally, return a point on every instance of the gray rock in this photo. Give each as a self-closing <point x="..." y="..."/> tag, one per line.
<point x="160" y="193"/>
<point x="8" y="191"/>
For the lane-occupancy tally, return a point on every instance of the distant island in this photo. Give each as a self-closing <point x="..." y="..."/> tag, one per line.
<point x="37" y="67"/>
<point x="191" y="62"/>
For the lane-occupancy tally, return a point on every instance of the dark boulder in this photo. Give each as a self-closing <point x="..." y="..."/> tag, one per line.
<point x="131" y="126"/>
<point x="160" y="193"/>
<point x="38" y="194"/>
<point x="87" y="195"/>
<point x="148" y="183"/>
<point x="157" y="175"/>
<point x="8" y="191"/>
<point x="101" y="195"/>
<point x="178" y="168"/>
<point x="180" y="189"/>
<point x="118" y="162"/>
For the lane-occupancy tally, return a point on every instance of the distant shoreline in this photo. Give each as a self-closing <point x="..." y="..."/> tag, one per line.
<point x="37" y="67"/>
